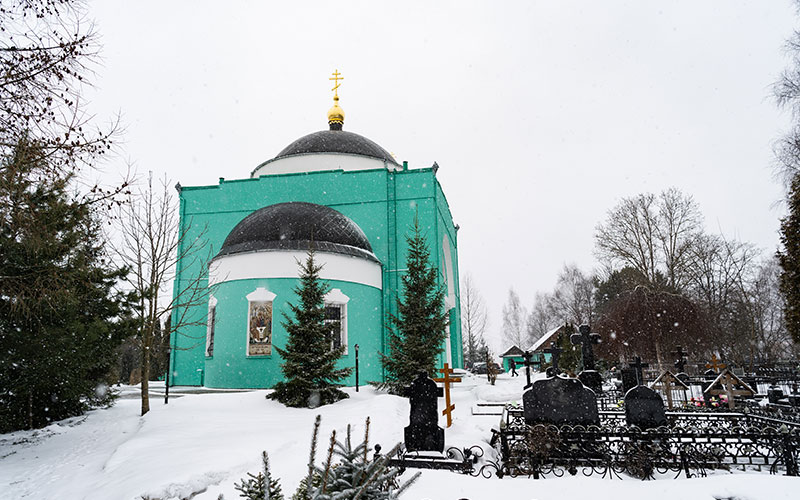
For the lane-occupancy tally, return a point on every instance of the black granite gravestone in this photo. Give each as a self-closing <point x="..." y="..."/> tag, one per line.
<point x="644" y="408"/>
<point x="423" y="432"/>
<point x="560" y="400"/>
<point x="775" y="394"/>
<point x="555" y="352"/>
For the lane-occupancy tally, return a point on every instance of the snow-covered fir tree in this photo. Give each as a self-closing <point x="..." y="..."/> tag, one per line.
<point x="309" y="358"/>
<point x="419" y="328"/>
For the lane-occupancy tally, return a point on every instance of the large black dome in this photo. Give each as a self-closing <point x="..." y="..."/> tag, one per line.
<point x="336" y="141"/>
<point x="297" y="226"/>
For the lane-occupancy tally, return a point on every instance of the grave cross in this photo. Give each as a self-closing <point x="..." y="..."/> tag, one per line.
<point x="637" y="365"/>
<point x="555" y="352"/>
<point x="447" y="380"/>
<point x="715" y="363"/>
<point x="585" y="338"/>
<point x="680" y="364"/>
<point x="526" y="360"/>
<point x="667" y="382"/>
<point x="728" y="382"/>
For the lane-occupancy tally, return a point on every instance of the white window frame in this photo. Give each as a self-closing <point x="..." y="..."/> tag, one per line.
<point x="211" y="323"/>
<point x="336" y="298"/>
<point x="260" y="294"/>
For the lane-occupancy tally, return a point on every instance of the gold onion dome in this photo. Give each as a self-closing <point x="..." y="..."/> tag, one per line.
<point x="336" y="114"/>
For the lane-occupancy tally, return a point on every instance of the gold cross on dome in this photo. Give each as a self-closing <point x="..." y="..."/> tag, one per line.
<point x="336" y="77"/>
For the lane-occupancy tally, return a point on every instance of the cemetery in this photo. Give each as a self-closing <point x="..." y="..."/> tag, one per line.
<point x="675" y="424"/>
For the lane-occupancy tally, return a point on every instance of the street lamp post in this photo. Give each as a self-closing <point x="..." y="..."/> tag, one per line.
<point x="356" y="367"/>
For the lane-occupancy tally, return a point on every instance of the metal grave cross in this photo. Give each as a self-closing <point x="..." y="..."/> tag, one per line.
<point x="727" y="382"/>
<point x="526" y="360"/>
<point x="637" y="365"/>
<point x="715" y="363"/>
<point x="555" y="352"/>
<point x="446" y="380"/>
<point x="680" y="364"/>
<point x="586" y="339"/>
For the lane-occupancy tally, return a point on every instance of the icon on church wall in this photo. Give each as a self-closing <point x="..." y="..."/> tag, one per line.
<point x="259" y="341"/>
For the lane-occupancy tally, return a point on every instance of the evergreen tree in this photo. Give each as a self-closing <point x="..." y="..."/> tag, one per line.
<point x="789" y="259"/>
<point x="309" y="359"/>
<point x="255" y="487"/>
<point x="420" y="326"/>
<point x="60" y="317"/>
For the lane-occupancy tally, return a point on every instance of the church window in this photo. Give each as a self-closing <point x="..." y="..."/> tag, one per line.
<point x="336" y="317"/>
<point x="212" y="324"/>
<point x="259" y="322"/>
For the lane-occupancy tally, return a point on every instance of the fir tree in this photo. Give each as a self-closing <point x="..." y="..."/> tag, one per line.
<point x="419" y="328"/>
<point x="349" y="473"/>
<point x="60" y="317"/>
<point x="789" y="259"/>
<point x="255" y="487"/>
<point x="309" y="359"/>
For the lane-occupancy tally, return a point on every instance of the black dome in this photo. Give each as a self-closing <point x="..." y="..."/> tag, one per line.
<point x="297" y="226"/>
<point x="336" y="141"/>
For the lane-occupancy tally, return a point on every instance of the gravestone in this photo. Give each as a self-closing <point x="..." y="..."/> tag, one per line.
<point x="560" y="401"/>
<point x="629" y="381"/>
<point x="774" y="394"/>
<point x="644" y="408"/>
<point x="588" y="376"/>
<point x="423" y="432"/>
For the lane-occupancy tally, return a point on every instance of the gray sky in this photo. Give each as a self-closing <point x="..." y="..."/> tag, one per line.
<point x="541" y="115"/>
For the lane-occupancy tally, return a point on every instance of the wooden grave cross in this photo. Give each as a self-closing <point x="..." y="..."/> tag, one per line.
<point x="715" y="363"/>
<point x="667" y="382"/>
<point x="446" y="380"/>
<point x="727" y="383"/>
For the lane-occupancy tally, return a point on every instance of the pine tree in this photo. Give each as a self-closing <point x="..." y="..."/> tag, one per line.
<point x="419" y="328"/>
<point x="789" y="259"/>
<point x="255" y="487"/>
<point x="309" y="360"/>
<point x="60" y="317"/>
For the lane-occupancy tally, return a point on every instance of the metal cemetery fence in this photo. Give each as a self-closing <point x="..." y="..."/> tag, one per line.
<point x="692" y="444"/>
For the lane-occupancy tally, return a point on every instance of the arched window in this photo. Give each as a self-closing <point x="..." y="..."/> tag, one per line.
<point x="259" y="322"/>
<point x="212" y="324"/>
<point x="336" y="317"/>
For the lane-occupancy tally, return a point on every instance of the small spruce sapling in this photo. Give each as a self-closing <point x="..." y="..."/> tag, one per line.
<point x="255" y="488"/>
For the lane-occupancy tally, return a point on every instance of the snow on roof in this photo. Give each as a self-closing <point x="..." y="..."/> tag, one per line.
<point x="544" y="339"/>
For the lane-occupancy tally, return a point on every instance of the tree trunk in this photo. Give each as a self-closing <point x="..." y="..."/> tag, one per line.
<point x="146" y="336"/>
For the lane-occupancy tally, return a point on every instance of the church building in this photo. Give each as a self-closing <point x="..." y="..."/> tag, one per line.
<point x="351" y="200"/>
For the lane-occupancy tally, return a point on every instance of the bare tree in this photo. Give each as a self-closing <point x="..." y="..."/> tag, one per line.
<point x="651" y="234"/>
<point x="572" y="300"/>
<point x="151" y="245"/>
<point x="514" y="317"/>
<point x="474" y="320"/>
<point x="542" y="318"/>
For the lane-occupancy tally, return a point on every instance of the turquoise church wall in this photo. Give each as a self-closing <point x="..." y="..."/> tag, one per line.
<point x="381" y="202"/>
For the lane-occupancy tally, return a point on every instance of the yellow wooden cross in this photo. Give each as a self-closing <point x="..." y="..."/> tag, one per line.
<point x="336" y="77"/>
<point x="715" y="363"/>
<point x="447" y="380"/>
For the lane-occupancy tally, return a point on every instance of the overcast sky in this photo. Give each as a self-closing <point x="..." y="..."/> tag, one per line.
<point x="541" y="115"/>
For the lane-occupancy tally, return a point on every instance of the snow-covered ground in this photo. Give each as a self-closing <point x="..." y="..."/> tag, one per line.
<point x="201" y="444"/>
